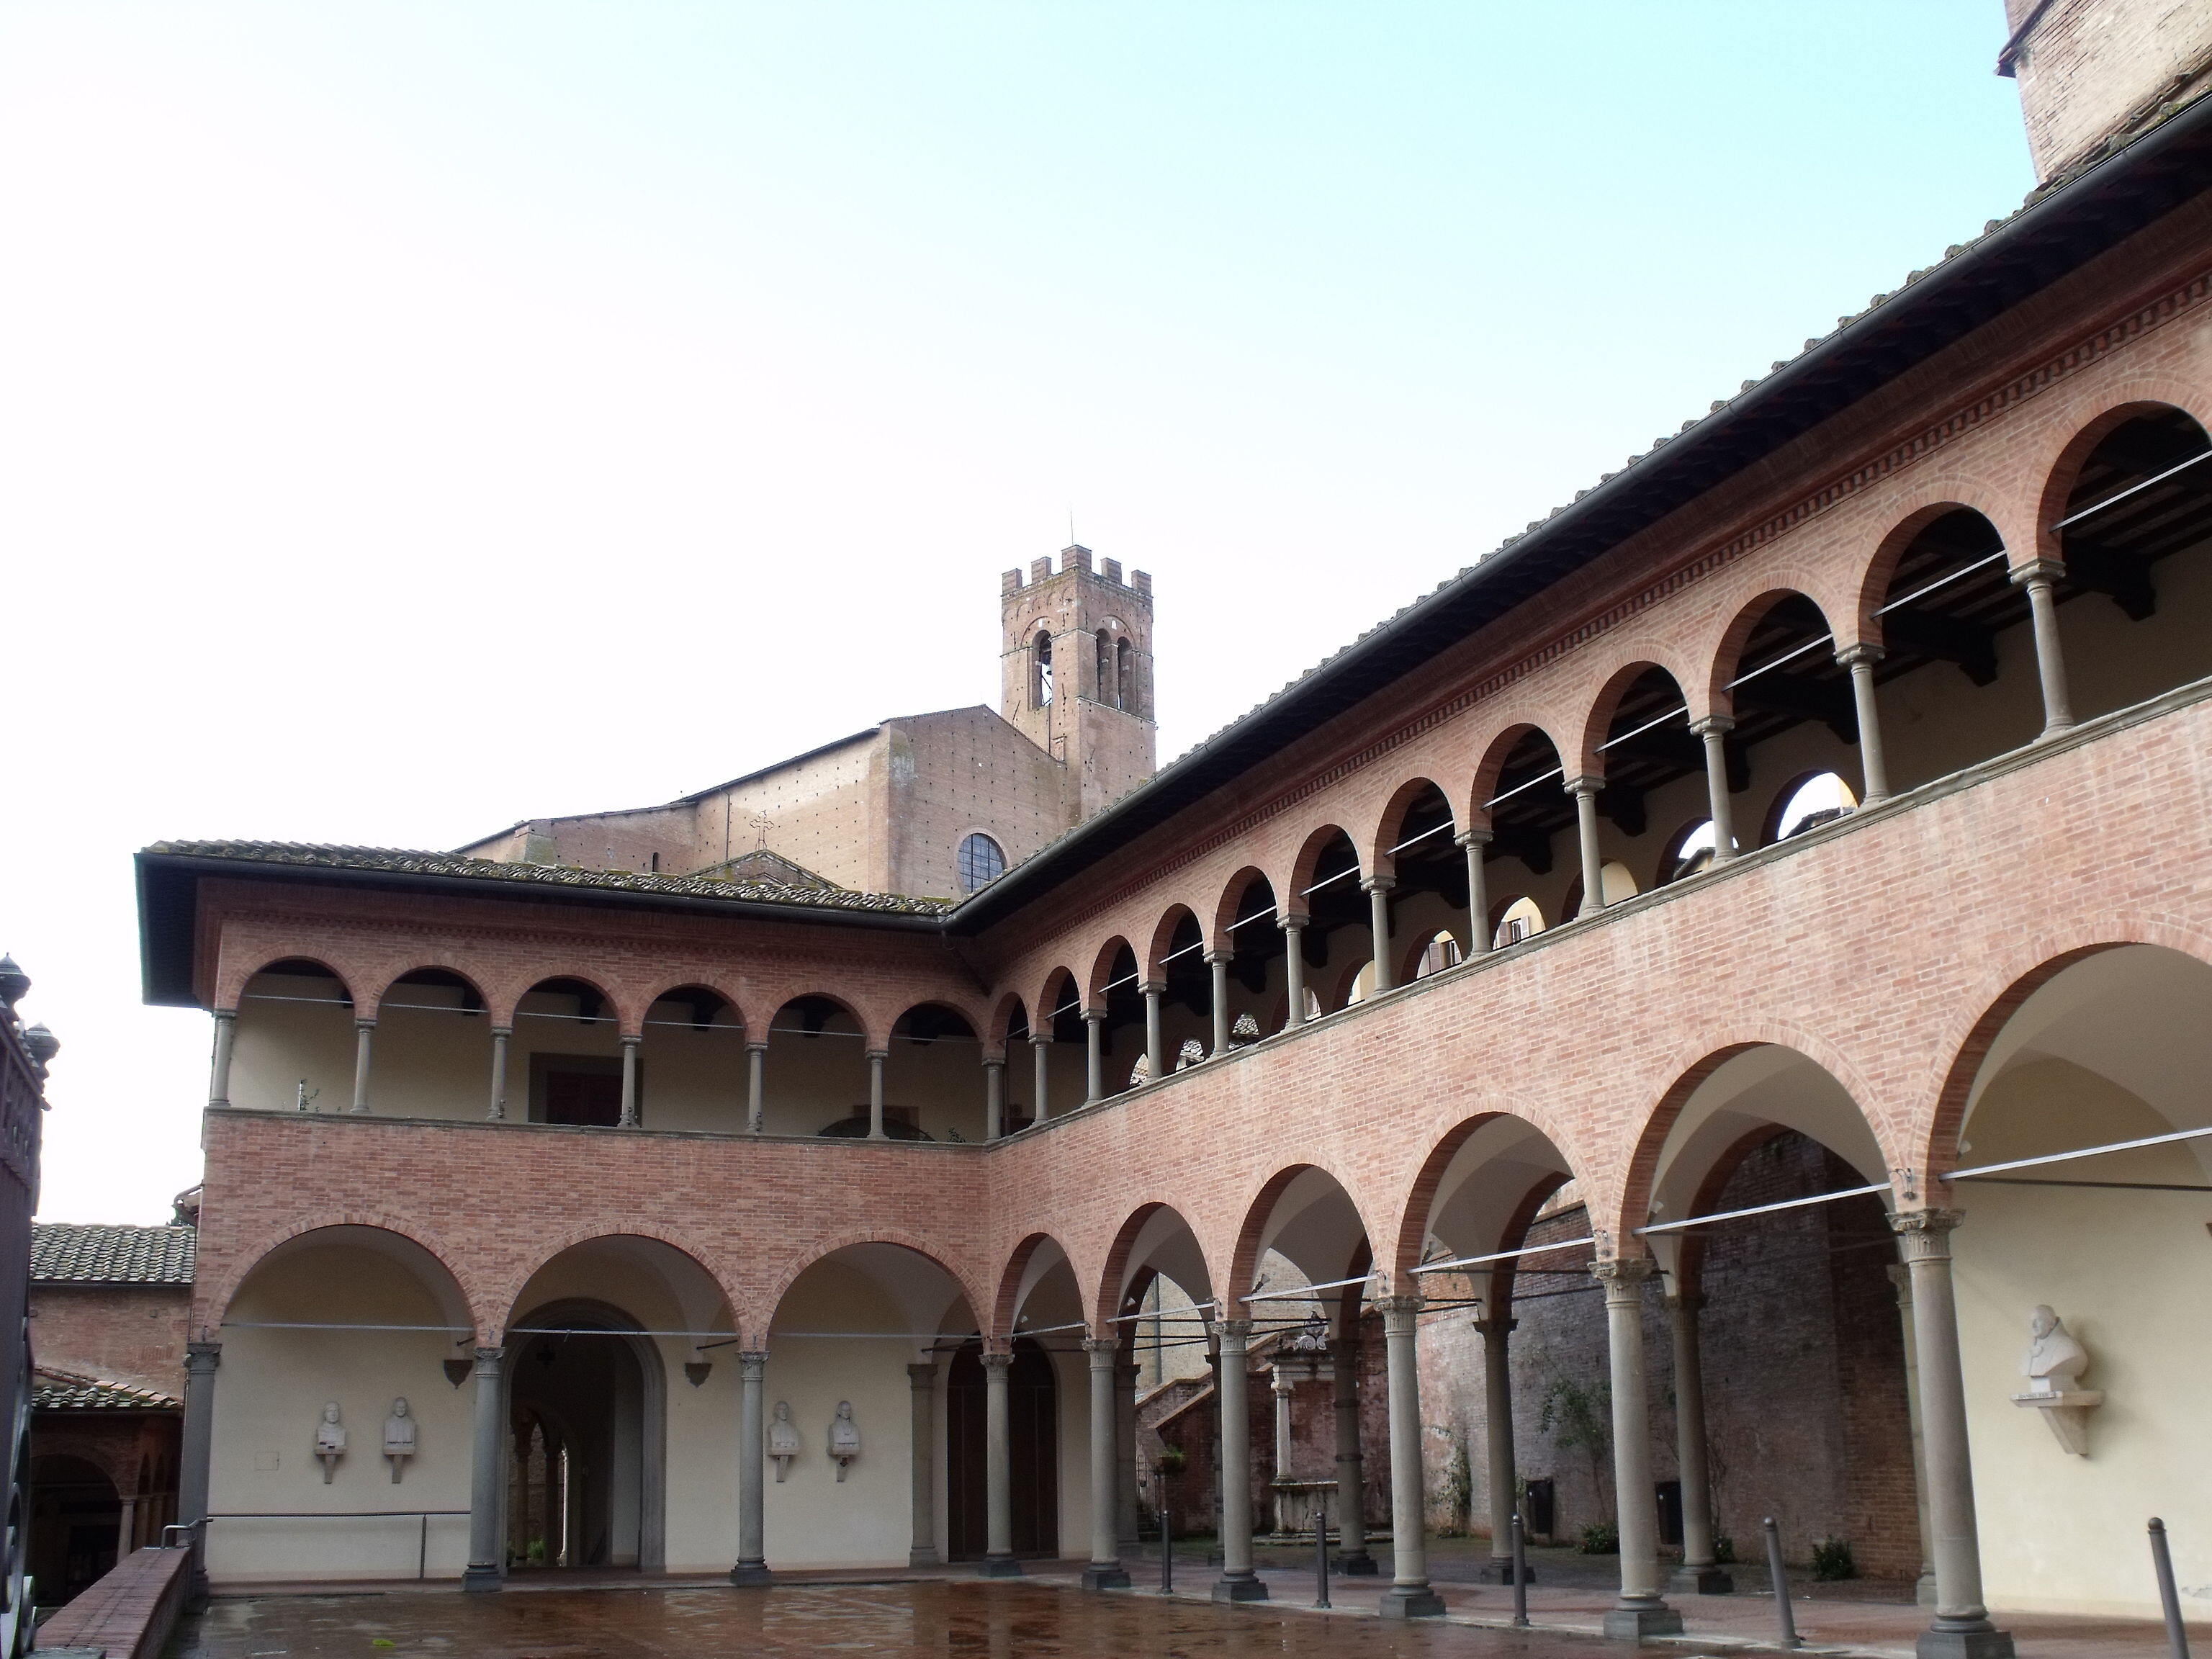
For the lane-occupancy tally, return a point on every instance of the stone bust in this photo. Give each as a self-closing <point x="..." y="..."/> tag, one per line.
<point x="398" y="1438"/>
<point x="844" y="1437"/>
<point x="2055" y="1360"/>
<point x="782" y="1439"/>
<point x="330" y="1440"/>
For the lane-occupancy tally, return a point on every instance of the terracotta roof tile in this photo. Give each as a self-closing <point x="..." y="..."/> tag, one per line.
<point x="68" y="1253"/>
<point x="65" y="1391"/>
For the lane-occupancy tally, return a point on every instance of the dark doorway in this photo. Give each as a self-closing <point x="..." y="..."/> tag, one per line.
<point x="581" y="1421"/>
<point x="76" y="1517"/>
<point x="1033" y="1437"/>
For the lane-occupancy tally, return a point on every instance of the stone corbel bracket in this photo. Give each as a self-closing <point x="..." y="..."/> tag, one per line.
<point x="2067" y="1413"/>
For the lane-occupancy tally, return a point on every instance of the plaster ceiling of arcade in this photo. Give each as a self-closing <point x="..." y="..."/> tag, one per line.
<point x="1760" y="1087"/>
<point x="1488" y="1178"/>
<point x="654" y="1283"/>
<point x="327" y="1273"/>
<point x="929" y="1300"/>
<point x="1166" y="1245"/>
<point x="1314" y="1226"/>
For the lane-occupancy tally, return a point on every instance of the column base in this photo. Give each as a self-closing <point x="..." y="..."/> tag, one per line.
<point x="1500" y="1571"/>
<point x="1105" y="1577"/>
<point x="924" y="1557"/>
<point x="1239" y="1587"/>
<point x="1410" y="1601"/>
<point x="1697" y="1581"/>
<point x="1358" y="1565"/>
<point x="1634" y="1623"/>
<point x="1978" y="1640"/>
<point x="1923" y="1591"/>
<point x="1001" y="1566"/>
<point x="751" y="1572"/>
<point x="479" y="1578"/>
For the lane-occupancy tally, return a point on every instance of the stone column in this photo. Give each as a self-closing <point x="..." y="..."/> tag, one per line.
<point x="194" y="1452"/>
<point x="994" y="1099"/>
<point x="1901" y="1277"/>
<point x="1238" y="1583"/>
<point x="1041" y="1046"/>
<point x="487" y="1559"/>
<point x="1104" y="1571"/>
<point x="1156" y="1057"/>
<point x="997" y="1472"/>
<point x="363" y="1029"/>
<point x="1218" y="962"/>
<point x="755" y="1085"/>
<point x="1474" y="843"/>
<point x="1712" y="731"/>
<point x="631" y="1044"/>
<point x="226" y="1032"/>
<point x="1283" y="1389"/>
<point x="1377" y="889"/>
<point x="1294" y="970"/>
<point x="1409" y="1596"/>
<point x="2037" y="578"/>
<point x="1351" y="1557"/>
<point x="752" y="1464"/>
<point x="1962" y="1629"/>
<point x="1874" y="771"/>
<point x="1498" y="1441"/>
<point x="1094" y="1055"/>
<point x="876" y="1058"/>
<point x="1125" y="1444"/>
<point x="1699" y="1574"/>
<point x="1641" y="1611"/>
<point x="1585" y="792"/>
<point x="500" y="1036"/>
<point x="921" y="1382"/>
<point x="126" y="1528"/>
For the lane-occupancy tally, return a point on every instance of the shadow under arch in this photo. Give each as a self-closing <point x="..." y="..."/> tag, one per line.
<point x="1486" y="1165"/>
<point x="1030" y="1263"/>
<point x="387" y="1237"/>
<point x="1158" y="1238"/>
<point x="1304" y="1212"/>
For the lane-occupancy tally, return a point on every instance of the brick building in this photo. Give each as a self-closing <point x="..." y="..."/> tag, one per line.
<point x="1784" y="863"/>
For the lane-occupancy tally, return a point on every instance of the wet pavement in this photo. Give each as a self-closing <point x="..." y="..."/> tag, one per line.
<point x="973" y="1619"/>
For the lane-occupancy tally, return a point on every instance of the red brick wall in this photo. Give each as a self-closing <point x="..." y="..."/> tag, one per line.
<point x="131" y="1333"/>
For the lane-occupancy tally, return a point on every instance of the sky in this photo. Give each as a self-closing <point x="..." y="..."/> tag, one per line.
<point x="414" y="418"/>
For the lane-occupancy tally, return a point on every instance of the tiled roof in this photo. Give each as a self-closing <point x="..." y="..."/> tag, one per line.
<point x="66" y="1252"/>
<point x="65" y="1391"/>
<point x="401" y="861"/>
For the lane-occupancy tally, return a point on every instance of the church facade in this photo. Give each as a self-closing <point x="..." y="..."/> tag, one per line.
<point x="1783" y="867"/>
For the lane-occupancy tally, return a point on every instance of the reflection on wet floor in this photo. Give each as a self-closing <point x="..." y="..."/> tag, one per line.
<point x="977" y="1621"/>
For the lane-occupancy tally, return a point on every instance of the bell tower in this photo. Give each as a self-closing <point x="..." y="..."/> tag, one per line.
<point x="1076" y="672"/>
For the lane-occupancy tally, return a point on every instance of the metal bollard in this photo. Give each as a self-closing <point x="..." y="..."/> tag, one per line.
<point x="2161" y="1561"/>
<point x="1167" y="1544"/>
<point x="1520" y="1572"/>
<point x="1790" y="1639"/>
<point x="1321" y="1549"/>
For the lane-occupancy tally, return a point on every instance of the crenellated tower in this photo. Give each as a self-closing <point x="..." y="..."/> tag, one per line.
<point x="1076" y="672"/>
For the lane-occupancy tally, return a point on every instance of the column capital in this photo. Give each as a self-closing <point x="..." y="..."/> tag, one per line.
<point x="1688" y="1302"/>
<point x="1901" y="1277"/>
<point x="1624" y="1277"/>
<point x="1924" y="1235"/>
<point x="487" y="1358"/>
<point x="998" y="1060"/>
<point x="1481" y="837"/>
<point x="755" y="1047"/>
<point x="364" y="1022"/>
<point x="1378" y="883"/>
<point x="1094" y="1015"/>
<point x="1042" y="1039"/>
<point x="1096" y="1346"/>
<point x="2037" y="570"/>
<point x="631" y="1039"/>
<point x="1852" y="655"/>
<point x="1398" y="1313"/>
<point x="1713" y="725"/>
<point x="502" y="1030"/>
<point x="871" y="1053"/>
<point x="996" y="1360"/>
<point x="226" y="1013"/>
<point x="1215" y="959"/>
<point x="1501" y="1327"/>
<point x="1238" y="1331"/>
<point x="202" y="1357"/>
<point x="921" y="1375"/>
<point x="1281" y="1386"/>
<point x="753" y="1364"/>
<point x="1586" y="783"/>
<point x="1152" y="987"/>
<point x="1291" y="924"/>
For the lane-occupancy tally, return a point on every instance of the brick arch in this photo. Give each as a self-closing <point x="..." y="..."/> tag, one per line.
<point x="1596" y="722"/>
<point x="626" y="1020"/>
<point x="231" y="988"/>
<point x="1154" y="960"/>
<point x="2130" y="398"/>
<point x="1102" y="970"/>
<point x="871" y="1037"/>
<point x="507" y="1290"/>
<point x="1628" y="1204"/>
<point x="1445" y="1142"/>
<point x="1484" y="785"/>
<point x="1005" y="1306"/>
<point x="1231" y="901"/>
<point x="211" y="1299"/>
<point x="1938" y="1117"/>
<point x="1292" y="898"/>
<point x="1378" y="856"/>
<point x="429" y="964"/>
<point x="1051" y="996"/>
<point x="1940" y="501"/>
<point x="1243" y="1253"/>
<point x="659" y="988"/>
<point x="1002" y="1012"/>
<point x="1725" y="662"/>
<point x="1115" y="1268"/>
<point x="759" y="1310"/>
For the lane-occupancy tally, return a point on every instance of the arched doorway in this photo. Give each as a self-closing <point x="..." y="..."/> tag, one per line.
<point x="75" y="1516"/>
<point x="586" y="1400"/>
<point x="1033" y="1437"/>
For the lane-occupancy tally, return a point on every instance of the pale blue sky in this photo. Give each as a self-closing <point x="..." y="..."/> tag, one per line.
<point x="416" y="417"/>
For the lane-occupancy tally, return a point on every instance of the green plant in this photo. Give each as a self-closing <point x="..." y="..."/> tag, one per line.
<point x="1831" y="1560"/>
<point x="1173" y="1461"/>
<point x="1599" y="1538"/>
<point x="1580" y="1418"/>
<point x="1458" y="1493"/>
<point x="1724" y="1550"/>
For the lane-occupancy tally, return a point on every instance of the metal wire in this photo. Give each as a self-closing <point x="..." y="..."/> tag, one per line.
<point x="2082" y="1151"/>
<point x="1501" y="1255"/>
<point x="2111" y="501"/>
<point x="1767" y="1209"/>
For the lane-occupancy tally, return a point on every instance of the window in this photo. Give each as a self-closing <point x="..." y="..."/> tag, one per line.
<point x="983" y="861"/>
<point x="1439" y="953"/>
<point x="1040" y="669"/>
<point x="1125" y="687"/>
<point x="1108" y="692"/>
<point x="580" y="1089"/>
